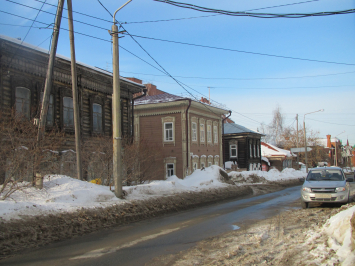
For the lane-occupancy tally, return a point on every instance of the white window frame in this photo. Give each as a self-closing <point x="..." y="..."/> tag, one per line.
<point x="232" y="147"/>
<point x="215" y="134"/>
<point x="202" y="132"/>
<point x="170" y="171"/>
<point x="250" y="150"/>
<point x="167" y="138"/>
<point x="202" y="165"/>
<point x="254" y="149"/>
<point x="209" y="133"/>
<point x="194" y="131"/>
<point x="209" y="164"/>
<point x="195" y="166"/>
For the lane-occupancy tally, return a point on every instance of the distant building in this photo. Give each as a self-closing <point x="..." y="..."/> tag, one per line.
<point x="278" y="158"/>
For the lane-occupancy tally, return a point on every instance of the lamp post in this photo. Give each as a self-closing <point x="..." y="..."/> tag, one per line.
<point x="116" y="106"/>
<point x="305" y="139"/>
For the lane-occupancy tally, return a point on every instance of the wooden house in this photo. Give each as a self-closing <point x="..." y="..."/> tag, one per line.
<point x="278" y="158"/>
<point x="188" y="132"/>
<point x="242" y="146"/>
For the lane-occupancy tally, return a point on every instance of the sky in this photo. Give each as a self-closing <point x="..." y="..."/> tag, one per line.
<point x="248" y="73"/>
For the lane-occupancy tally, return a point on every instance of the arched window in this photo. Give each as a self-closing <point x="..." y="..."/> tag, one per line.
<point x="97" y="117"/>
<point x="68" y="112"/>
<point x="22" y="102"/>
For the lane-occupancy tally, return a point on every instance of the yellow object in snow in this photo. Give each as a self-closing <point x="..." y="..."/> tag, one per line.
<point x="96" y="181"/>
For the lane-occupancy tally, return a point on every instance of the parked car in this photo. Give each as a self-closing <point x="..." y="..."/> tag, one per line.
<point x="327" y="184"/>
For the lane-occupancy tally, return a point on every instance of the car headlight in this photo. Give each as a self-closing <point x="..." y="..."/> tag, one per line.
<point x="340" y="189"/>
<point x="306" y="189"/>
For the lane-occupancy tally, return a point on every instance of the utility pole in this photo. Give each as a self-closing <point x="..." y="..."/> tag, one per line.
<point x="305" y="143"/>
<point x="298" y="157"/>
<point x="49" y="76"/>
<point x="116" y="110"/>
<point x="75" y="91"/>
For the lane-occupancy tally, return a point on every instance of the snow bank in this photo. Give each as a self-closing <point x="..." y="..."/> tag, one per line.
<point x="272" y="175"/>
<point x="197" y="181"/>
<point x="59" y="194"/>
<point x="339" y="230"/>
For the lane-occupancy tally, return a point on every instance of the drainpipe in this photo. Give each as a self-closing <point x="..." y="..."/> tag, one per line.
<point x="224" y="163"/>
<point x="133" y="99"/>
<point x="187" y="137"/>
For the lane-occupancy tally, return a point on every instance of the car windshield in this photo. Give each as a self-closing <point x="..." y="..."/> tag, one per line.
<point x="325" y="174"/>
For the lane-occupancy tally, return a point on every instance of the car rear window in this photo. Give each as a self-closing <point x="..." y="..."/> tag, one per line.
<point x="323" y="174"/>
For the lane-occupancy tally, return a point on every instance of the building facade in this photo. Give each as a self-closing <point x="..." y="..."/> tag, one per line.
<point x="188" y="132"/>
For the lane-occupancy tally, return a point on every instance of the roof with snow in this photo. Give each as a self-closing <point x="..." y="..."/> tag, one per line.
<point x="41" y="50"/>
<point x="232" y="128"/>
<point x="323" y="142"/>
<point x="160" y="98"/>
<point x="269" y="150"/>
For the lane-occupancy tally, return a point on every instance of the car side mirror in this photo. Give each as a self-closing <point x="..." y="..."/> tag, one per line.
<point x="301" y="179"/>
<point x="350" y="179"/>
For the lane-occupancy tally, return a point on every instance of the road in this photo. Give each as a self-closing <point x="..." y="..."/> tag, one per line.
<point x="138" y="243"/>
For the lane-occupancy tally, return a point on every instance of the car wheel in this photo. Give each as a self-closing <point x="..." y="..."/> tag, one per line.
<point x="304" y="204"/>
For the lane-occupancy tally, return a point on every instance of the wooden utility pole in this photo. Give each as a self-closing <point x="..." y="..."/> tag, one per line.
<point x="75" y="92"/>
<point x="49" y="76"/>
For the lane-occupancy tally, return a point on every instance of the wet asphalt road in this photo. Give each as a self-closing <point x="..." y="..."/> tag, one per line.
<point x="138" y="243"/>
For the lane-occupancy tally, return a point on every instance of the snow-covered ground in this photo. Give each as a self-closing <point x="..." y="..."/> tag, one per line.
<point x="65" y="194"/>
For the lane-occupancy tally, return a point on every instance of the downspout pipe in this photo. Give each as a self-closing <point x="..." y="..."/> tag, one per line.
<point x="187" y="136"/>
<point x="223" y="148"/>
<point x="133" y="99"/>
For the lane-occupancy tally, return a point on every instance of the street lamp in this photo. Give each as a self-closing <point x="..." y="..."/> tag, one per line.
<point x="116" y="106"/>
<point x="305" y="139"/>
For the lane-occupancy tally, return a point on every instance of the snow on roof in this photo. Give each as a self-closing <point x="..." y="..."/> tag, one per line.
<point x="160" y="98"/>
<point x="268" y="150"/>
<point x="36" y="48"/>
<point x="265" y="160"/>
<point x="232" y="128"/>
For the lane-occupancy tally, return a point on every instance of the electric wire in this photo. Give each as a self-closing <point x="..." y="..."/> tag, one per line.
<point x="255" y="15"/>
<point x="330" y="123"/>
<point x="245" y="52"/>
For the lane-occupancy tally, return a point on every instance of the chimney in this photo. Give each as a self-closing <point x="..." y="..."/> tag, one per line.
<point x="152" y="89"/>
<point x="329" y="144"/>
<point x="135" y="80"/>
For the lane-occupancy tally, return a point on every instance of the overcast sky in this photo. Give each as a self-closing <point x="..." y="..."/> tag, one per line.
<point x="244" y="81"/>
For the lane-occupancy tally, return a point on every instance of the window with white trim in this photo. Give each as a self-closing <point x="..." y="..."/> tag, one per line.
<point x="68" y="112"/>
<point x="258" y="150"/>
<point x="194" y="131"/>
<point x="202" y="165"/>
<point x="97" y="117"/>
<point x="254" y="150"/>
<point x="215" y="134"/>
<point x="22" y="101"/>
<point x="168" y="131"/>
<point x="250" y="150"/>
<point x="195" y="166"/>
<point x="233" y="150"/>
<point x="209" y="133"/>
<point x="209" y="164"/>
<point x="170" y="169"/>
<point x="202" y="132"/>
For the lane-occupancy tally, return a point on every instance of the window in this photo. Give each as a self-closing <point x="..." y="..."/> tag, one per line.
<point x="209" y="164"/>
<point x="202" y="165"/>
<point x="258" y="150"/>
<point x="50" y="111"/>
<point x="22" y="102"/>
<point x="202" y="132"/>
<point x="254" y="150"/>
<point x="250" y="150"/>
<point x="195" y="166"/>
<point x="233" y="150"/>
<point x="194" y="131"/>
<point x="168" y="131"/>
<point x="68" y="112"/>
<point x="209" y="133"/>
<point x="170" y="169"/>
<point x="97" y="117"/>
<point x="215" y="134"/>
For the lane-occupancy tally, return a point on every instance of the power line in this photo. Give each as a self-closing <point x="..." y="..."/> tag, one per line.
<point x="175" y="19"/>
<point x="255" y="15"/>
<point x="214" y="78"/>
<point x="241" y="51"/>
<point x="331" y="123"/>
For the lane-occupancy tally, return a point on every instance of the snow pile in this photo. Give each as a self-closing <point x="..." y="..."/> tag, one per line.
<point x="59" y="194"/>
<point x="339" y="230"/>
<point x="272" y="175"/>
<point x="197" y="181"/>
